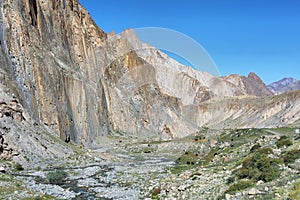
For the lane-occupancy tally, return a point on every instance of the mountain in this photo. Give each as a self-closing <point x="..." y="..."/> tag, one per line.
<point x="284" y="85"/>
<point x="252" y="85"/>
<point x="82" y="83"/>
<point x="79" y="107"/>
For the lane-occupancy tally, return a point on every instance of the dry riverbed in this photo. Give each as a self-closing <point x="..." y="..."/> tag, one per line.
<point x="204" y="166"/>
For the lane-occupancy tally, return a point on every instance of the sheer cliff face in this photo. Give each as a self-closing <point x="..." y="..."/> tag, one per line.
<point x="43" y="46"/>
<point x="82" y="83"/>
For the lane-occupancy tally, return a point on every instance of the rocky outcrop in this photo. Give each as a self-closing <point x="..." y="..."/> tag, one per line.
<point x="23" y="139"/>
<point x="82" y="83"/>
<point x="284" y="85"/>
<point x="251" y="85"/>
<point x="6" y="152"/>
<point x="43" y="44"/>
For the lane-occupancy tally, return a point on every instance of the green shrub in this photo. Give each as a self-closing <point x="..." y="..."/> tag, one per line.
<point x="283" y="137"/>
<point x="259" y="167"/>
<point x="230" y="180"/>
<point x="265" y="150"/>
<point x="38" y="198"/>
<point x="291" y="156"/>
<point x="57" y="177"/>
<point x="239" y="186"/>
<point x="284" y="141"/>
<point x="19" y="167"/>
<point x="254" y="148"/>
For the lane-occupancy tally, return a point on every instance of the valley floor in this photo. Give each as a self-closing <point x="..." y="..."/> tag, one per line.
<point x="227" y="164"/>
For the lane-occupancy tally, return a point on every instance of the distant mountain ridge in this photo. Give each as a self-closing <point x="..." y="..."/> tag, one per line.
<point x="251" y="85"/>
<point x="284" y="85"/>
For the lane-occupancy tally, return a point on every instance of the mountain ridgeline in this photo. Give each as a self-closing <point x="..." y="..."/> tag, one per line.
<point x="284" y="85"/>
<point x="80" y="82"/>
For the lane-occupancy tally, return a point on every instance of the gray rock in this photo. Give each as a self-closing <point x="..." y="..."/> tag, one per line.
<point x="2" y="170"/>
<point x="254" y="191"/>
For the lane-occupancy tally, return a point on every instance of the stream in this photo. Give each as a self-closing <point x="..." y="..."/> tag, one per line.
<point x="125" y="179"/>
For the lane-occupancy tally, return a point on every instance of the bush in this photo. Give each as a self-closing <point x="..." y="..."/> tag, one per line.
<point x="259" y="167"/>
<point x="284" y="141"/>
<point x="265" y="150"/>
<point x="241" y="185"/>
<point x="254" y="148"/>
<point x="57" y="177"/>
<point x="230" y="180"/>
<point x="19" y="167"/>
<point x="291" y="156"/>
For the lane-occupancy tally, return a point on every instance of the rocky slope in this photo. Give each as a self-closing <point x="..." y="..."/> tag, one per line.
<point x="82" y="83"/>
<point x="284" y="85"/>
<point x="25" y="141"/>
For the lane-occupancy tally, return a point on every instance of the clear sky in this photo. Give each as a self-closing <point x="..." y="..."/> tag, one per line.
<point x="240" y="35"/>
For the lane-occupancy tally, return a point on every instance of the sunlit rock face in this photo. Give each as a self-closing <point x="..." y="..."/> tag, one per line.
<point x="83" y="83"/>
<point x="43" y="46"/>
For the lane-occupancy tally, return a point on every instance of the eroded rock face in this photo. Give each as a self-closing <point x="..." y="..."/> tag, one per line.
<point x="82" y="83"/>
<point x="23" y="139"/>
<point x="43" y="44"/>
<point x="6" y="152"/>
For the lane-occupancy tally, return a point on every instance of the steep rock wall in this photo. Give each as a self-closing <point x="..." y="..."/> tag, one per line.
<point x="43" y="46"/>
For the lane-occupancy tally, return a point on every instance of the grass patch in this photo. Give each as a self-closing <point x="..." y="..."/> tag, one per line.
<point x="5" y="177"/>
<point x="177" y="169"/>
<point x="284" y="130"/>
<point x="239" y="186"/>
<point x="209" y="157"/>
<point x="294" y="194"/>
<point x="188" y="158"/>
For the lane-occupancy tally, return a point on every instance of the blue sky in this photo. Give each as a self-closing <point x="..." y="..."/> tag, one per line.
<point x="241" y="36"/>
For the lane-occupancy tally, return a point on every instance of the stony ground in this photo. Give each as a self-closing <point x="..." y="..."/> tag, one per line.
<point x="203" y="166"/>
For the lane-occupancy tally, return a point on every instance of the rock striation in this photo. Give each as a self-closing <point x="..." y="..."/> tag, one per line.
<point x="73" y="78"/>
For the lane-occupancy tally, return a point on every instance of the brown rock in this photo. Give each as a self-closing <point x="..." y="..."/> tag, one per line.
<point x="212" y="143"/>
<point x="226" y="159"/>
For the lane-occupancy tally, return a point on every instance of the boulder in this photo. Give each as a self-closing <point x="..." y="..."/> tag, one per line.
<point x="2" y="170"/>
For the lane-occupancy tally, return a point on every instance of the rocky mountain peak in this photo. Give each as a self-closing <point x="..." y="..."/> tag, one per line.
<point x="284" y="85"/>
<point x="256" y="78"/>
<point x="132" y="38"/>
<point x="251" y="85"/>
